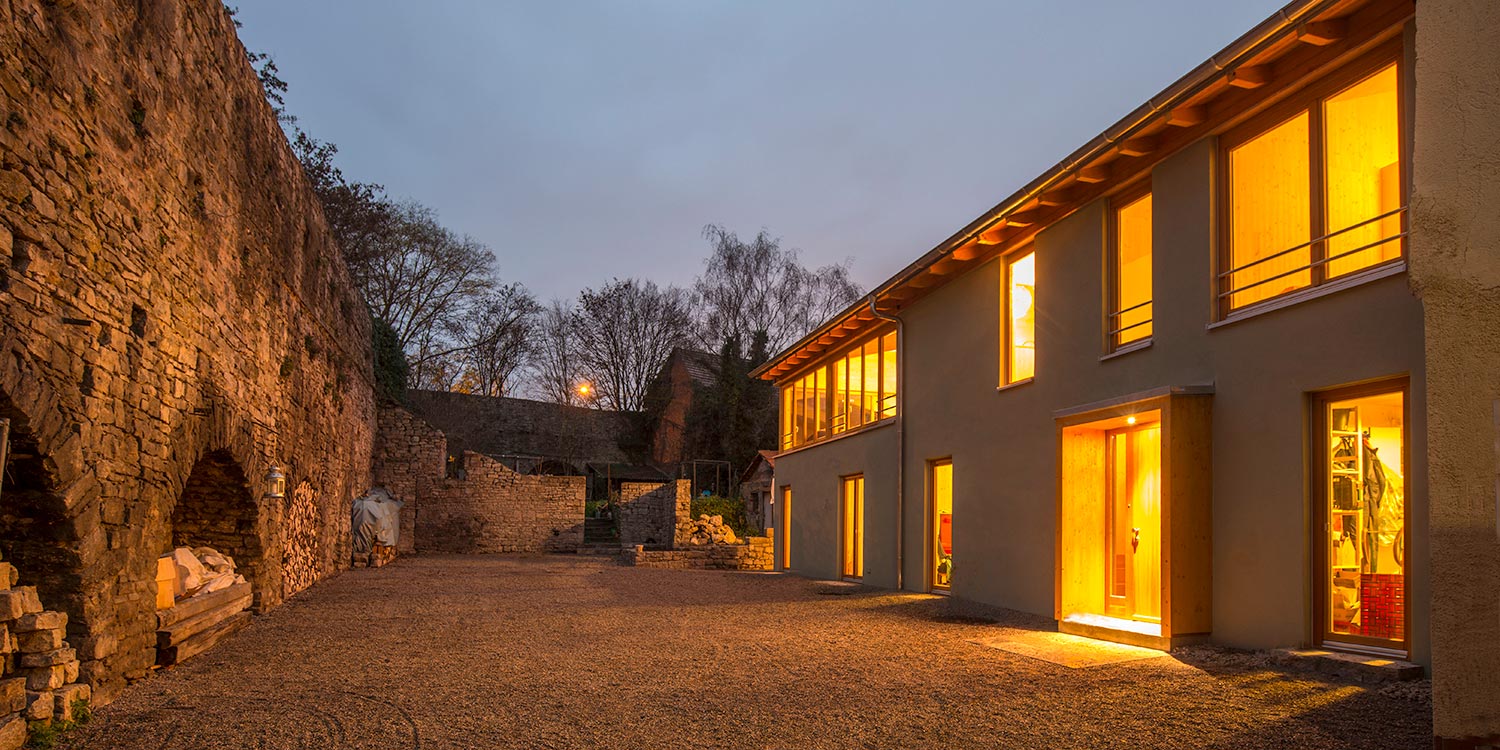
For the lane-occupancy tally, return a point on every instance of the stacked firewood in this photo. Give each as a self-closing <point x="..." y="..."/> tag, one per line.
<point x="299" y="568"/>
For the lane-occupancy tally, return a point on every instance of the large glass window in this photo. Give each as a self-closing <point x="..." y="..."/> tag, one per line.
<point x="1344" y="148"/>
<point x="1130" y="264"/>
<point x="1020" y="318"/>
<point x="856" y="388"/>
<point x="1365" y="574"/>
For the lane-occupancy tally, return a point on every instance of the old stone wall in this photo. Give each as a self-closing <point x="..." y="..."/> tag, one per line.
<point x="1455" y="270"/>
<point x="487" y="507"/>
<point x="174" y="320"/>
<point x="755" y="554"/>
<point x="649" y="512"/>
<point x="407" y="449"/>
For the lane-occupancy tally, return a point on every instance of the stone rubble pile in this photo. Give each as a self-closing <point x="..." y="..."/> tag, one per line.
<point x="40" y="681"/>
<point x="706" y="530"/>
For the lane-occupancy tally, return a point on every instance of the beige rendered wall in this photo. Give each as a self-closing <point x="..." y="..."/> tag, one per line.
<point x="814" y="475"/>
<point x="1455" y="250"/>
<point x="1004" y="442"/>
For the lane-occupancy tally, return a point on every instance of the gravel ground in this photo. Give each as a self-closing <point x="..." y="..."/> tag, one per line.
<point x="557" y="652"/>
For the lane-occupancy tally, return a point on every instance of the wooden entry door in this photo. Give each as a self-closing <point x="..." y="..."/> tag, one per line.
<point x="853" y="502"/>
<point x="1133" y="523"/>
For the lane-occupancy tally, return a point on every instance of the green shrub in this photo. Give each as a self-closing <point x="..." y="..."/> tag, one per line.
<point x="731" y="508"/>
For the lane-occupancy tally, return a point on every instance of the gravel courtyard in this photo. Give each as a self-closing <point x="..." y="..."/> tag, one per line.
<point x="557" y="652"/>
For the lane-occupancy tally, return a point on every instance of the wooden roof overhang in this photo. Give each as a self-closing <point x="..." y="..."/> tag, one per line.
<point x="1302" y="39"/>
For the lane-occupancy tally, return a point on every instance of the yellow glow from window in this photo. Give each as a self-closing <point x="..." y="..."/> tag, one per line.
<point x="854" y="526"/>
<point x="855" y="389"/>
<point x="1269" y="212"/>
<point x="1020" y="280"/>
<point x="888" y="375"/>
<point x="870" y="404"/>
<point x="1133" y="272"/>
<point x="942" y="524"/>
<point x="1363" y="152"/>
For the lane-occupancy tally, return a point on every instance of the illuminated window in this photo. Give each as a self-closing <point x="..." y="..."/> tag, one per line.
<point x="1130" y="264"/>
<point x="942" y="525"/>
<point x="1281" y="240"/>
<point x="1020" y="318"/>
<point x="888" y="375"/>
<point x="857" y="388"/>
<point x="853" y="557"/>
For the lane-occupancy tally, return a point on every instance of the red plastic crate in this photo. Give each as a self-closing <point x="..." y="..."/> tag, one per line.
<point x="1382" y="606"/>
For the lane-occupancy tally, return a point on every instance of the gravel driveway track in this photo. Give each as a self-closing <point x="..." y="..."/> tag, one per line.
<point x="561" y="652"/>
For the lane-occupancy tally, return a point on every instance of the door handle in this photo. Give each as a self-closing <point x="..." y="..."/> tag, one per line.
<point x="1135" y="538"/>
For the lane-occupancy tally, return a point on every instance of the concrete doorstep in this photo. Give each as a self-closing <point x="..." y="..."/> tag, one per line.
<point x="1358" y="667"/>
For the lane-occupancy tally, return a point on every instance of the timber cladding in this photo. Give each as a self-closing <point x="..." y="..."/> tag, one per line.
<point x="174" y="320"/>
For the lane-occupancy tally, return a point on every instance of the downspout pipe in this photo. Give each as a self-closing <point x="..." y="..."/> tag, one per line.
<point x="900" y="439"/>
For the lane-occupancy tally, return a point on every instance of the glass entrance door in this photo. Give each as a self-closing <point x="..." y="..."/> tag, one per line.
<point x="1363" y="560"/>
<point x="1133" y="523"/>
<point x="942" y="525"/>
<point x="853" y="503"/>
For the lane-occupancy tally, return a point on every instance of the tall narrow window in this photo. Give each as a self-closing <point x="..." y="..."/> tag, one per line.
<point x="840" y="395"/>
<point x="1020" y="318"/>
<point x="856" y="367"/>
<point x="942" y="524"/>
<point x="871" y="402"/>
<point x="1130" y="261"/>
<point x="820" y="404"/>
<point x="786" y="528"/>
<point x="1318" y="195"/>
<point x="888" y="375"/>
<point x="853" y="526"/>
<point x="786" y="418"/>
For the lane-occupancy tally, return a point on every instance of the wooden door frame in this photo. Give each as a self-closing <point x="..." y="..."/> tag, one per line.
<point x="1318" y="515"/>
<point x="1109" y="491"/>
<point x="845" y="521"/>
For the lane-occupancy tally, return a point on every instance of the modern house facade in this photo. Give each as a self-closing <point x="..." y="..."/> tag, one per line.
<point x="1174" y="389"/>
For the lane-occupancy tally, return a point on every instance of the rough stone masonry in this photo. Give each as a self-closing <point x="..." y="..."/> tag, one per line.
<point x="174" y="320"/>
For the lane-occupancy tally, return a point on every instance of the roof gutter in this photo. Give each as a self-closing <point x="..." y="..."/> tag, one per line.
<point x="1208" y="72"/>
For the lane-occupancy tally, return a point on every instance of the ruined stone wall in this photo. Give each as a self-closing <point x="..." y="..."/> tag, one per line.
<point x="755" y="554"/>
<point x="1455" y="271"/>
<point x="407" y="448"/>
<point x="168" y="290"/>
<point x="489" y="508"/>
<point x="649" y="512"/>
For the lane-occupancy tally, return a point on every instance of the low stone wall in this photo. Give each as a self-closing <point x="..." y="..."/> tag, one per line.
<point x="754" y="554"/>
<point x="494" y="509"/>
<point x="649" y="512"/>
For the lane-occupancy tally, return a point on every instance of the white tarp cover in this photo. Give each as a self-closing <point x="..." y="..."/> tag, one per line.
<point x="376" y="520"/>
<point x="203" y="570"/>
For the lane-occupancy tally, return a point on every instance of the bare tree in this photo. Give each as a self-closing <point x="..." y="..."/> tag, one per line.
<point x="420" y="274"/>
<point x="625" y="330"/>
<point x="755" y="286"/>
<point x="495" y="333"/>
<point x="555" y="372"/>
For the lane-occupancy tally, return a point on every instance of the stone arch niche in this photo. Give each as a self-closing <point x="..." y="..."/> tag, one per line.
<point x="35" y="534"/>
<point x="219" y="508"/>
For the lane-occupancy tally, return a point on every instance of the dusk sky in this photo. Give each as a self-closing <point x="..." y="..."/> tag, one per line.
<point x="585" y="141"/>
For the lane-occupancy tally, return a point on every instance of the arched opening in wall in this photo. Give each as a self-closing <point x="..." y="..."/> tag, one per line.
<point x="35" y="537"/>
<point x="218" y="509"/>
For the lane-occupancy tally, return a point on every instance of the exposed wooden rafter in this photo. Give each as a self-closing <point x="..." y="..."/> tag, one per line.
<point x="1187" y="117"/>
<point x="968" y="251"/>
<point x="1143" y="146"/>
<point x="1323" y="33"/>
<point x="1058" y="197"/>
<point x="1022" y="218"/>
<point x="1250" y="76"/>
<point x="1094" y="175"/>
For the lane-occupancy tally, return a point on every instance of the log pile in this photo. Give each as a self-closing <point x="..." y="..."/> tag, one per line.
<point x="299" y="566"/>
<point x="209" y="602"/>
<point x="40" y="682"/>
<point x="706" y="530"/>
<point x="197" y="623"/>
<point x="379" y="555"/>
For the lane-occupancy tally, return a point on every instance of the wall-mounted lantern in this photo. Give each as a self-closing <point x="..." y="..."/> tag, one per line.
<point x="275" y="483"/>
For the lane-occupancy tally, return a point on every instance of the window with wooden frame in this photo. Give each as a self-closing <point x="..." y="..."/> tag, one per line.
<point x="1129" y="280"/>
<point x="1313" y="189"/>
<point x="856" y="388"/>
<point x="1019" y="309"/>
